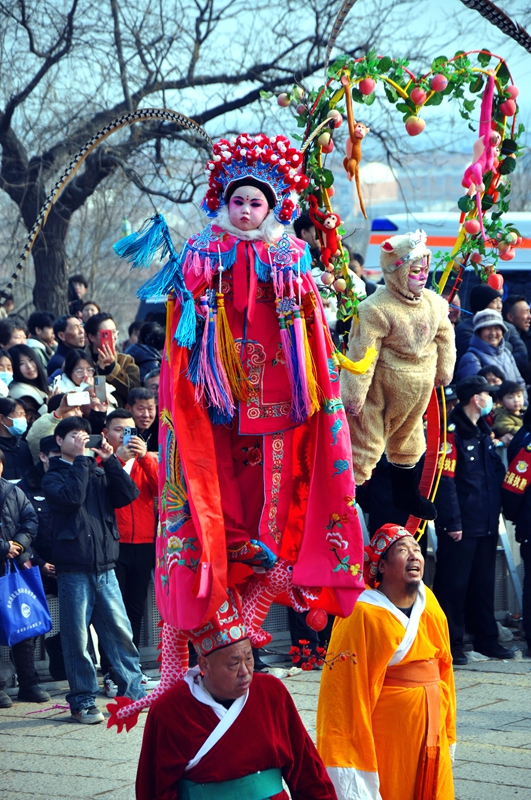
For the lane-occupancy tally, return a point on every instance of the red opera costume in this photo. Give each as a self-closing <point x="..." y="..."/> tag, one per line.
<point x="256" y="480"/>
<point x="279" y="483"/>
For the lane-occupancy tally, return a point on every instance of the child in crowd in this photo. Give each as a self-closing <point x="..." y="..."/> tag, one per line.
<point x="508" y="415"/>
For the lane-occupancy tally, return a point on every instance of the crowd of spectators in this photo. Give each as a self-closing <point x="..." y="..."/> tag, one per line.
<point x="86" y="516"/>
<point x="62" y="379"/>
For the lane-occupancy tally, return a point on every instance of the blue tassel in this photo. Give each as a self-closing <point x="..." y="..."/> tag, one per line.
<point x="193" y="363"/>
<point x="139" y="248"/>
<point x="162" y="282"/>
<point x="219" y="417"/>
<point x="186" y="329"/>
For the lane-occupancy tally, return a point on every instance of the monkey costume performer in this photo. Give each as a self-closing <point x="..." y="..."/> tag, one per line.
<point x="410" y="330"/>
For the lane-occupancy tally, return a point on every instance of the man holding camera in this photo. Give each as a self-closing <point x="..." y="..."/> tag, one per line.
<point x="137" y="524"/>
<point x="82" y="497"/>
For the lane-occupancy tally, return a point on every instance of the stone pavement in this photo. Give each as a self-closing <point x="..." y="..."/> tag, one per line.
<point x="44" y="756"/>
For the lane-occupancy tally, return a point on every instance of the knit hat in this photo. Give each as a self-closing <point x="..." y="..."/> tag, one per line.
<point x="380" y="543"/>
<point x="226" y="627"/>
<point x="481" y="296"/>
<point x="471" y="385"/>
<point x="403" y="249"/>
<point x="487" y="317"/>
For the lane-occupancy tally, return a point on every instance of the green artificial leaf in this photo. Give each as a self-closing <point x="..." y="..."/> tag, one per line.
<point x="397" y="76"/>
<point x="507" y="166"/>
<point x="487" y="202"/>
<point x="484" y="59"/>
<point x="503" y="74"/>
<point x="476" y="84"/>
<point x="496" y="215"/>
<point x="296" y="136"/>
<point x="385" y="64"/>
<point x="435" y="100"/>
<point x="341" y="231"/>
<point x="405" y="109"/>
<point x="464" y="114"/>
<point x="369" y="99"/>
<point x="438" y="62"/>
<point x="265" y="95"/>
<point x="458" y="92"/>
<point x="357" y="96"/>
<point x="327" y="178"/>
<point x="301" y="121"/>
<point x="520" y="131"/>
<point x="487" y="179"/>
<point x="392" y="94"/>
<point x="469" y="105"/>
<point x="509" y="146"/>
<point x="466" y="203"/>
<point x="472" y="128"/>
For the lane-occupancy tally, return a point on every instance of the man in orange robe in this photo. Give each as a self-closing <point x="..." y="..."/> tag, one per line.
<point x="386" y="722"/>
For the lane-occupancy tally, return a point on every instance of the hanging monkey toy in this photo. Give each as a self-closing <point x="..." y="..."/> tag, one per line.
<point x="357" y="132"/>
<point x="484" y="152"/>
<point x="327" y="224"/>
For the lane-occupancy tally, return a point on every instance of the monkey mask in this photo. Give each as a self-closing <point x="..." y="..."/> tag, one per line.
<point x="397" y="257"/>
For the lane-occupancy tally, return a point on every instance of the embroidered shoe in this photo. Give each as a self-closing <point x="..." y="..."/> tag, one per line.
<point x="87" y="716"/>
<point x="252" y="553"/>
<point x="110" y="689"/>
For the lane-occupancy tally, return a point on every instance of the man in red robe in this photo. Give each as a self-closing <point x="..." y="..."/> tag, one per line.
<point x="225" y="731"/>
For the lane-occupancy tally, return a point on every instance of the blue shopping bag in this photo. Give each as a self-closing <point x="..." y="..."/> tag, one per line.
<point x="24" y="612"/>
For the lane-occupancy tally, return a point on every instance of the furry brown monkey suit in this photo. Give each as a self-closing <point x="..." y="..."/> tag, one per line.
<point x="415" y="344"/>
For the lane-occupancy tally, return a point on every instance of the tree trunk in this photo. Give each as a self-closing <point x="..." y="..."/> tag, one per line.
<point x="50" y="292"/>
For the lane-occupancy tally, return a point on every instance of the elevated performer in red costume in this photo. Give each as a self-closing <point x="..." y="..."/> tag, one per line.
<point x="256" y="473"/>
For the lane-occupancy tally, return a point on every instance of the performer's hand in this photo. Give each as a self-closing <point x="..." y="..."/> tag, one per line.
<point x="456" y="535"/>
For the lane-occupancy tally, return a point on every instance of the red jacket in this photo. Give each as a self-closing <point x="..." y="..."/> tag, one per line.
<point x="137" y="522"/>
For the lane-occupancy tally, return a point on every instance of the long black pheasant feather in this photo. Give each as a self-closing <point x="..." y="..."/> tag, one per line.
<point x="142" y="115"/>
<point x="501" y="20"/>
<point x="338" y="24"/>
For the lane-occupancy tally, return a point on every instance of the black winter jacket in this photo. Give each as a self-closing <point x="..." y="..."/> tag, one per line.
<point x="18" y="522"/>
<point x="18" y="457"/>
<point x="82" y="497"/>
<point x="470" y="501"/>
<point x="146" y="358"/>
<point x="517" y="507"/>
<point x="31" y="486"/>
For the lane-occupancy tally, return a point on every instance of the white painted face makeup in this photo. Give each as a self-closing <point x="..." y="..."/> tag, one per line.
<point x="248" y="207"/>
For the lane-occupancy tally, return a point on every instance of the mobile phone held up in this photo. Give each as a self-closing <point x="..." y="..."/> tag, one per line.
<point x="78" y="399"/>
<point x="94" y="441"/>
<point x="106" y="337"/>
<point x="128" y="433"/>
<point x="100" y="388"/>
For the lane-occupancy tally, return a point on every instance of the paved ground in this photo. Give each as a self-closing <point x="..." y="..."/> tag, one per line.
<point x="47" y="757"/>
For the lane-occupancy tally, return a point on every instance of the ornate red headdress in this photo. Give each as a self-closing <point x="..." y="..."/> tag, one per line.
<point x="382" y="540"/>
<point x="226" y="627"/>
<point x="272" y="161"/>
